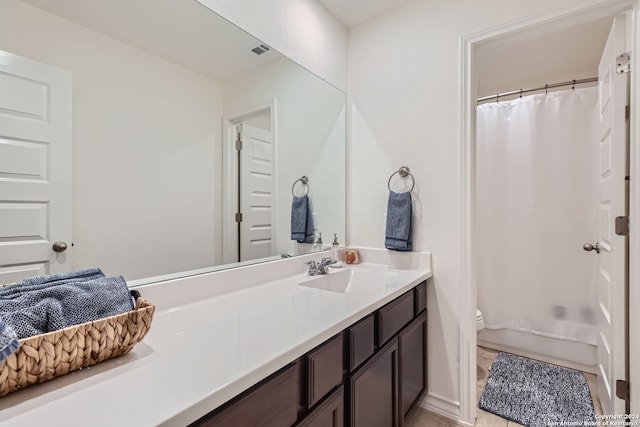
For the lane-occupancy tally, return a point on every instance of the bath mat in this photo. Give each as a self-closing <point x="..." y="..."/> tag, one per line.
<point x="536" y="394"/>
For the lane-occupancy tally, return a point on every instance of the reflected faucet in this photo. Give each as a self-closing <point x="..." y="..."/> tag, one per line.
<point x="317" y="268"/>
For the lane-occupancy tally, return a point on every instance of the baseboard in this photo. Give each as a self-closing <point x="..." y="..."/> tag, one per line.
<point x="538" y="356"/>
<point x="442" y="406"/>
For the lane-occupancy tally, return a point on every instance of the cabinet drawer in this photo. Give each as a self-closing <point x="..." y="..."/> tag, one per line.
<point x="271" y="404"/>
<point x="361" y="341"/>
<point x="393" y="316"/>
<point x="421" y="297"/>
<point x="329" y="413"/>
<point x="324" y="369"/>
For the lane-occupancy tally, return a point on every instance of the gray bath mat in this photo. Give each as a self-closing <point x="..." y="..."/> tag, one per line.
<point x="536" y="394"/>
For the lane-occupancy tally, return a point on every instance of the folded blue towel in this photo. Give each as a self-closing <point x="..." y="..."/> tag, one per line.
<point x="398" y="231"/>
<point x="301" y="220"/>
<point x="40" y="305"/>
<point x="8" y="341"/>
<point x="38" y="282"/>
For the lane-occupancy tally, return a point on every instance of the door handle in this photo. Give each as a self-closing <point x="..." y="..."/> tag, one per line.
<point x="60" y="246"/>
<point x="589" y="247"/>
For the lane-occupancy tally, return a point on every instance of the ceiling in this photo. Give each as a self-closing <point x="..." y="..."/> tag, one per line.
<point x="354" y="12"/>
<point x="183" y="32"/>
<point x="534" y="58"/>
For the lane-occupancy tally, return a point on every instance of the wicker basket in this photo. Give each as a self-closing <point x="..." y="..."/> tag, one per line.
<point x="44" y="357"/>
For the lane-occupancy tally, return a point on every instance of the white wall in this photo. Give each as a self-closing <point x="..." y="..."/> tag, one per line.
<point x="146" y="140"/>
<point x="404" y="88"/>
<point x="302" y="30"/>
<point x="310" y="135"/>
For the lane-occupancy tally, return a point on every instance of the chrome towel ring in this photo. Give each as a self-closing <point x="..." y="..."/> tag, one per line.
<point x="304" y="180"/>
<point x="403" y="172"/>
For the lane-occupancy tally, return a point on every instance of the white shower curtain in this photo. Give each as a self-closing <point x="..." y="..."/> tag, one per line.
<point x="536" y="205"/>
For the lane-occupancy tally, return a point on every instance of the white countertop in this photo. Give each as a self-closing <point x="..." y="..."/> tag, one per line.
<point x="209" y="347"/>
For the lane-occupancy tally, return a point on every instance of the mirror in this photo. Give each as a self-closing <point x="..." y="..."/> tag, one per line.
<point x="161" y="91"/>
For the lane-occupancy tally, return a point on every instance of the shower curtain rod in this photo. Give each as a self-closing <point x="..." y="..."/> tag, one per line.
<point x="536" y="89"/>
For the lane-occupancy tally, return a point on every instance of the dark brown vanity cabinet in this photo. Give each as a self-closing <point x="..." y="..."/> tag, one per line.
<point x="371" y="374"/>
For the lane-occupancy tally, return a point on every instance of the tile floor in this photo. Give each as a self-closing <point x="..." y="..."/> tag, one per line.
<point x="485" y="356"/>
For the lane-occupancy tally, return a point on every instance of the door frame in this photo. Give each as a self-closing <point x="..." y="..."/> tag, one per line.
<point x="551" y="21"/>
<point x="230" y="176"/>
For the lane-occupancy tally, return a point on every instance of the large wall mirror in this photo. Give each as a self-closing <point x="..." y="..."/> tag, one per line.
<point x="161" y="92"/>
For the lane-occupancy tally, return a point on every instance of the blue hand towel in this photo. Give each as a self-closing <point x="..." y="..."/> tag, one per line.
<point x="398" y="231"/>
<point x="8" y="341"/>
<point x="50" y="305"/>
<point x="301" y="220"/>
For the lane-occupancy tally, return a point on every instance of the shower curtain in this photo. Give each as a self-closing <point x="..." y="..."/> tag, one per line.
<point x="536" y="205"/>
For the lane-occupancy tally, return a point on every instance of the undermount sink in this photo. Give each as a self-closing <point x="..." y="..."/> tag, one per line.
<point x="349" y="280"/>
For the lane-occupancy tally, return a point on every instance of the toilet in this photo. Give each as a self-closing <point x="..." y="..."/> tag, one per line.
<point x="479" y="321"/>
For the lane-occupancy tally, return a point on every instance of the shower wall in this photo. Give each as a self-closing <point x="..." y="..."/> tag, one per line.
<point x="536" y="205"/>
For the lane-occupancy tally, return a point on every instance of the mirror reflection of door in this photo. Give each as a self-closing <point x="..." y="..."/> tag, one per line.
<point x="35" y="168"/>
<point x="255" y="183"/>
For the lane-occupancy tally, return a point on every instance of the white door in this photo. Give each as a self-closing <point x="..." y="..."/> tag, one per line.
<point x="35" y="168"/>
<point x="611" y="259"/>
<point x="256" y="189"/>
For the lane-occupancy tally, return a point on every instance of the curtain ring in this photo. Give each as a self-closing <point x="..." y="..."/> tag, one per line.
<point x="497" y="98"/>
<point x="520" y="93"/>
<point x="546" y="89"/>
<point x="574" y="85"/>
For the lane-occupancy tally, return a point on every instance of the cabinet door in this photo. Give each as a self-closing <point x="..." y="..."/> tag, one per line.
<point x="412" y="343"/>
<point x="329" y="413"/>
<point x="374" y="390"/>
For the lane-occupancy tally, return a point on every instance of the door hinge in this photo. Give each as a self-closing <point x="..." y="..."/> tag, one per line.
<point x="623" y="389"/>
<point x="239" y="217"/>
<point x="623" y="63"/>
<point x="239" y="144"/>
<point x="622" y="225"/>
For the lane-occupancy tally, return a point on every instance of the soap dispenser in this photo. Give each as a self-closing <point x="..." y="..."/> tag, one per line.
<point x="317" y="245"/>
<point x="335" y="252"/>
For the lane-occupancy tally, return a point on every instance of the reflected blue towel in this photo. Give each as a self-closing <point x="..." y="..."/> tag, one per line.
<point x="399" y="228"/>
<point x="8" y="341"/>
<point x="301" y="220"/>
<point x="49" y="303"/>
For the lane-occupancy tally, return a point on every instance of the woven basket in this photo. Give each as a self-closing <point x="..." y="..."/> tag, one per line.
<point x="44" y="357"/>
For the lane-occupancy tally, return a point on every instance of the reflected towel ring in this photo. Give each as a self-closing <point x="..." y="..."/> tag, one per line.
<point x="304" y="180"/>
<point x="403" y="172"/>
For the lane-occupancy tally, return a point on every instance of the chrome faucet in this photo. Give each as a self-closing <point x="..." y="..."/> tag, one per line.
<point x="321" y="267"/>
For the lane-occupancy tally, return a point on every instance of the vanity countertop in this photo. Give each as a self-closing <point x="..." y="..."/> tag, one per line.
<point x="202" y="351"/>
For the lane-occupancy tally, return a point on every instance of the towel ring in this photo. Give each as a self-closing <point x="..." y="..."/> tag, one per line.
<point x="304" y="180"/>
<point x="403" y="172"/>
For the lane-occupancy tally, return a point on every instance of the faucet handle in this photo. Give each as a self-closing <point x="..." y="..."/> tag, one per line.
<point x="327" y="261"/>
